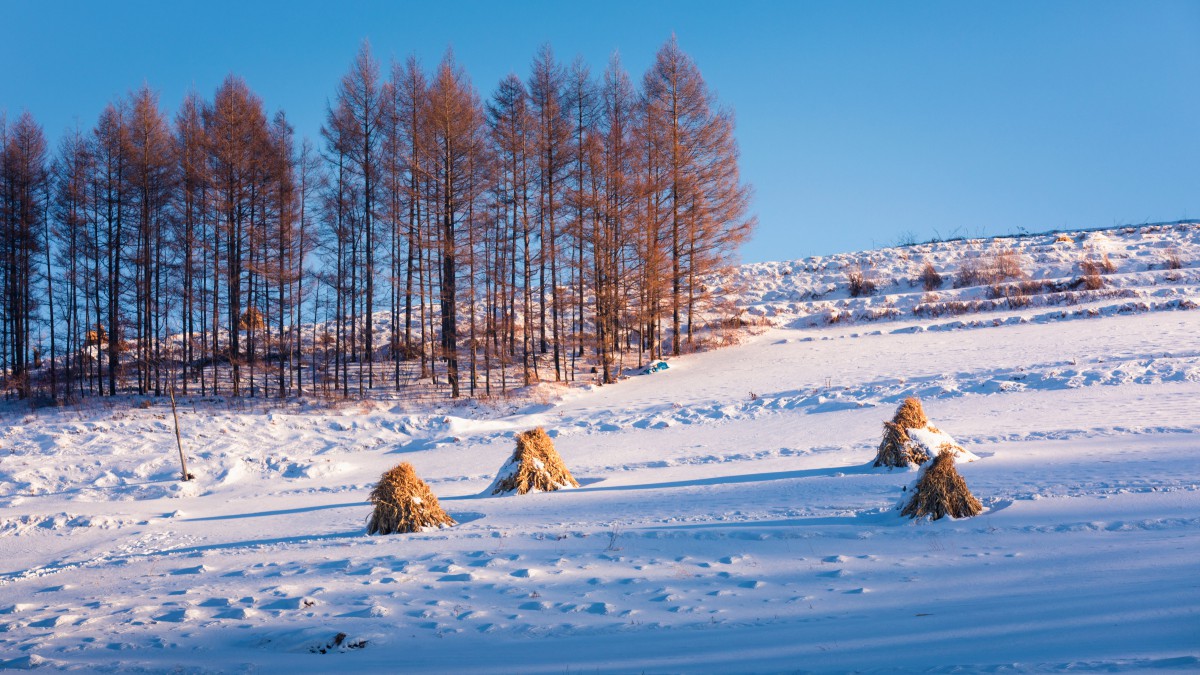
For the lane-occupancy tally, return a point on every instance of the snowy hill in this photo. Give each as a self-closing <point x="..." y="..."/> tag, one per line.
<point x="729" y="519"/>
<point x="1132" y="269"/>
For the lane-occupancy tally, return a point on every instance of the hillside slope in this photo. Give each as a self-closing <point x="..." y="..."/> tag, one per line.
<point x="729" y="519"/>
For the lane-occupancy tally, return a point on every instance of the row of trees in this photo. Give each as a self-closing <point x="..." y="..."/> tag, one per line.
<point x="562" y="226"/>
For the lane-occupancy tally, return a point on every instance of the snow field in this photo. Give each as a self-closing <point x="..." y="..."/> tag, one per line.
<point x="728" y="519"/>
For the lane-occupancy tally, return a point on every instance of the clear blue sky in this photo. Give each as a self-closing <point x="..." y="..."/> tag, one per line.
<point x="858" y="121"/>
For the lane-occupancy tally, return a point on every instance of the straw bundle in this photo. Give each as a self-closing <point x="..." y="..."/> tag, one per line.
<point x="404" y="503"/>
<point x="534" y="466"/>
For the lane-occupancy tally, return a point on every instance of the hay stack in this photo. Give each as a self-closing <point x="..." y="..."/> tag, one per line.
<point x="897" y="449"/>
<point x="910" y="440"/>
<point x="534" y="465"/>
<point x="404" y="503"/>
<point x="941" y="491"/>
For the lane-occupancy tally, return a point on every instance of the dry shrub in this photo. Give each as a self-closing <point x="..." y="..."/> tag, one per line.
<point x="405" y="351"/>
<point x="1091" y="282"/>
<point x="998" y="291"/>
<point x="96" y="337"/>
<point x="877" y="313"/>
<point x="1064" y="239"/>
<point x="1172" y="260"/>
<point x="941" y="491"/>
<point x="1003" y="265"/>
<point x="970" y="273"/>
<point x="534" y="466"/>
<point x="1107" y="265"/>
<point x="897" y="449"/>
<point x="948" y="308"/>
<point x="929" y="278"/>
<point x="1097" y="267"/>
<point x="1018" y="301"/>
<point x="404" y="503"/>
<point x="251" y="319"/>
<point x="860" y="284"/>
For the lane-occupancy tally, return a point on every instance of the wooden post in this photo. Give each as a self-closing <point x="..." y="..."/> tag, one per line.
<point x="184" y="476"/>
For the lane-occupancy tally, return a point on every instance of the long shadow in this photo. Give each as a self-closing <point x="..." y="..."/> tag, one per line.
<point x="732" y="480"/>
<point x="76" y="490"/>
<point x="279" y="512"/>
<point x="487" y="493"/>
<point x="252" y="543"/>
<point x="872" y="518"/>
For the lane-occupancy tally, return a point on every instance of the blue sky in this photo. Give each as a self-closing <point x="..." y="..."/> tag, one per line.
<point x="859" y="123"/>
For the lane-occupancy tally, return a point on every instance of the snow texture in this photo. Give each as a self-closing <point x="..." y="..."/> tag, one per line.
<point x="715" y="529"/>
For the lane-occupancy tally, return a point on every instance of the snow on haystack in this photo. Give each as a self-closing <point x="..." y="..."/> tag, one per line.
<point x="404" y="503"/>
<point x="941" y="491"/>
<point x="910" y="440"/>
<point x="534" y="466"/>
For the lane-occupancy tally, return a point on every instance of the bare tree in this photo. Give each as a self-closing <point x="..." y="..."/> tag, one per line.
<point x="24" y="179"/>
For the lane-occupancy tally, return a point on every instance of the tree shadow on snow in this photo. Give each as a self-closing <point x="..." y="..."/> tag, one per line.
<point x="872" y="517"/>
<point x="487" y="492"/>
<point x="174" y="478"/>
<point x="830" y="472"/>
<point x="279" y="512"/>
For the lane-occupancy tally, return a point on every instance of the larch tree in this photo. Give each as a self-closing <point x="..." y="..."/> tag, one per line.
<point x="151" y="178"/>
<point x="191" y="208"/>
<point x="510" y="125"/>
<point x="571" y="226"/>
<point x="360" y="93"/>
<point x="235" y="125"/>
<point x="409" y="109"/>
<point x="615" y="170"/>
<point x="112" y="195"/>
<point x="580" y="101"/>
<point x="71" y="172"/>
<point x="456" y="126"/>
<point x="691" y="139"/>
<point x="24" y="179"/>
<point x="552" y="136"/>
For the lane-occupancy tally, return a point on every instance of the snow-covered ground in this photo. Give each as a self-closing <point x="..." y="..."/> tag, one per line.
<point x="728" y="519"/>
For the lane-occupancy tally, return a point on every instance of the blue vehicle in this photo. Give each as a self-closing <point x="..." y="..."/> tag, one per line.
<point x="656" y="366"/>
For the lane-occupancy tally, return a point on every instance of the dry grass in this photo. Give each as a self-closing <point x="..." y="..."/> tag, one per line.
<point x="1172" y="259"/>
<point x="929" y="278"/>
<point x="970" y="273"/>
<point x="1092" y="267"/>
<point x="534" y="466"/>
<point x="859" y="282"/>
<point x="404" y="503"/>
<point x="941" y="491"/>
<point x="1091" y="282"/>
<point x="1004" y="264"/>
<point x="897" y="449"/>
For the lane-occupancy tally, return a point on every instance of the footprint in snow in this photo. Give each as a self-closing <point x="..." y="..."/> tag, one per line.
<point x="55" y="621"/>
<point x="178" y="616"/>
